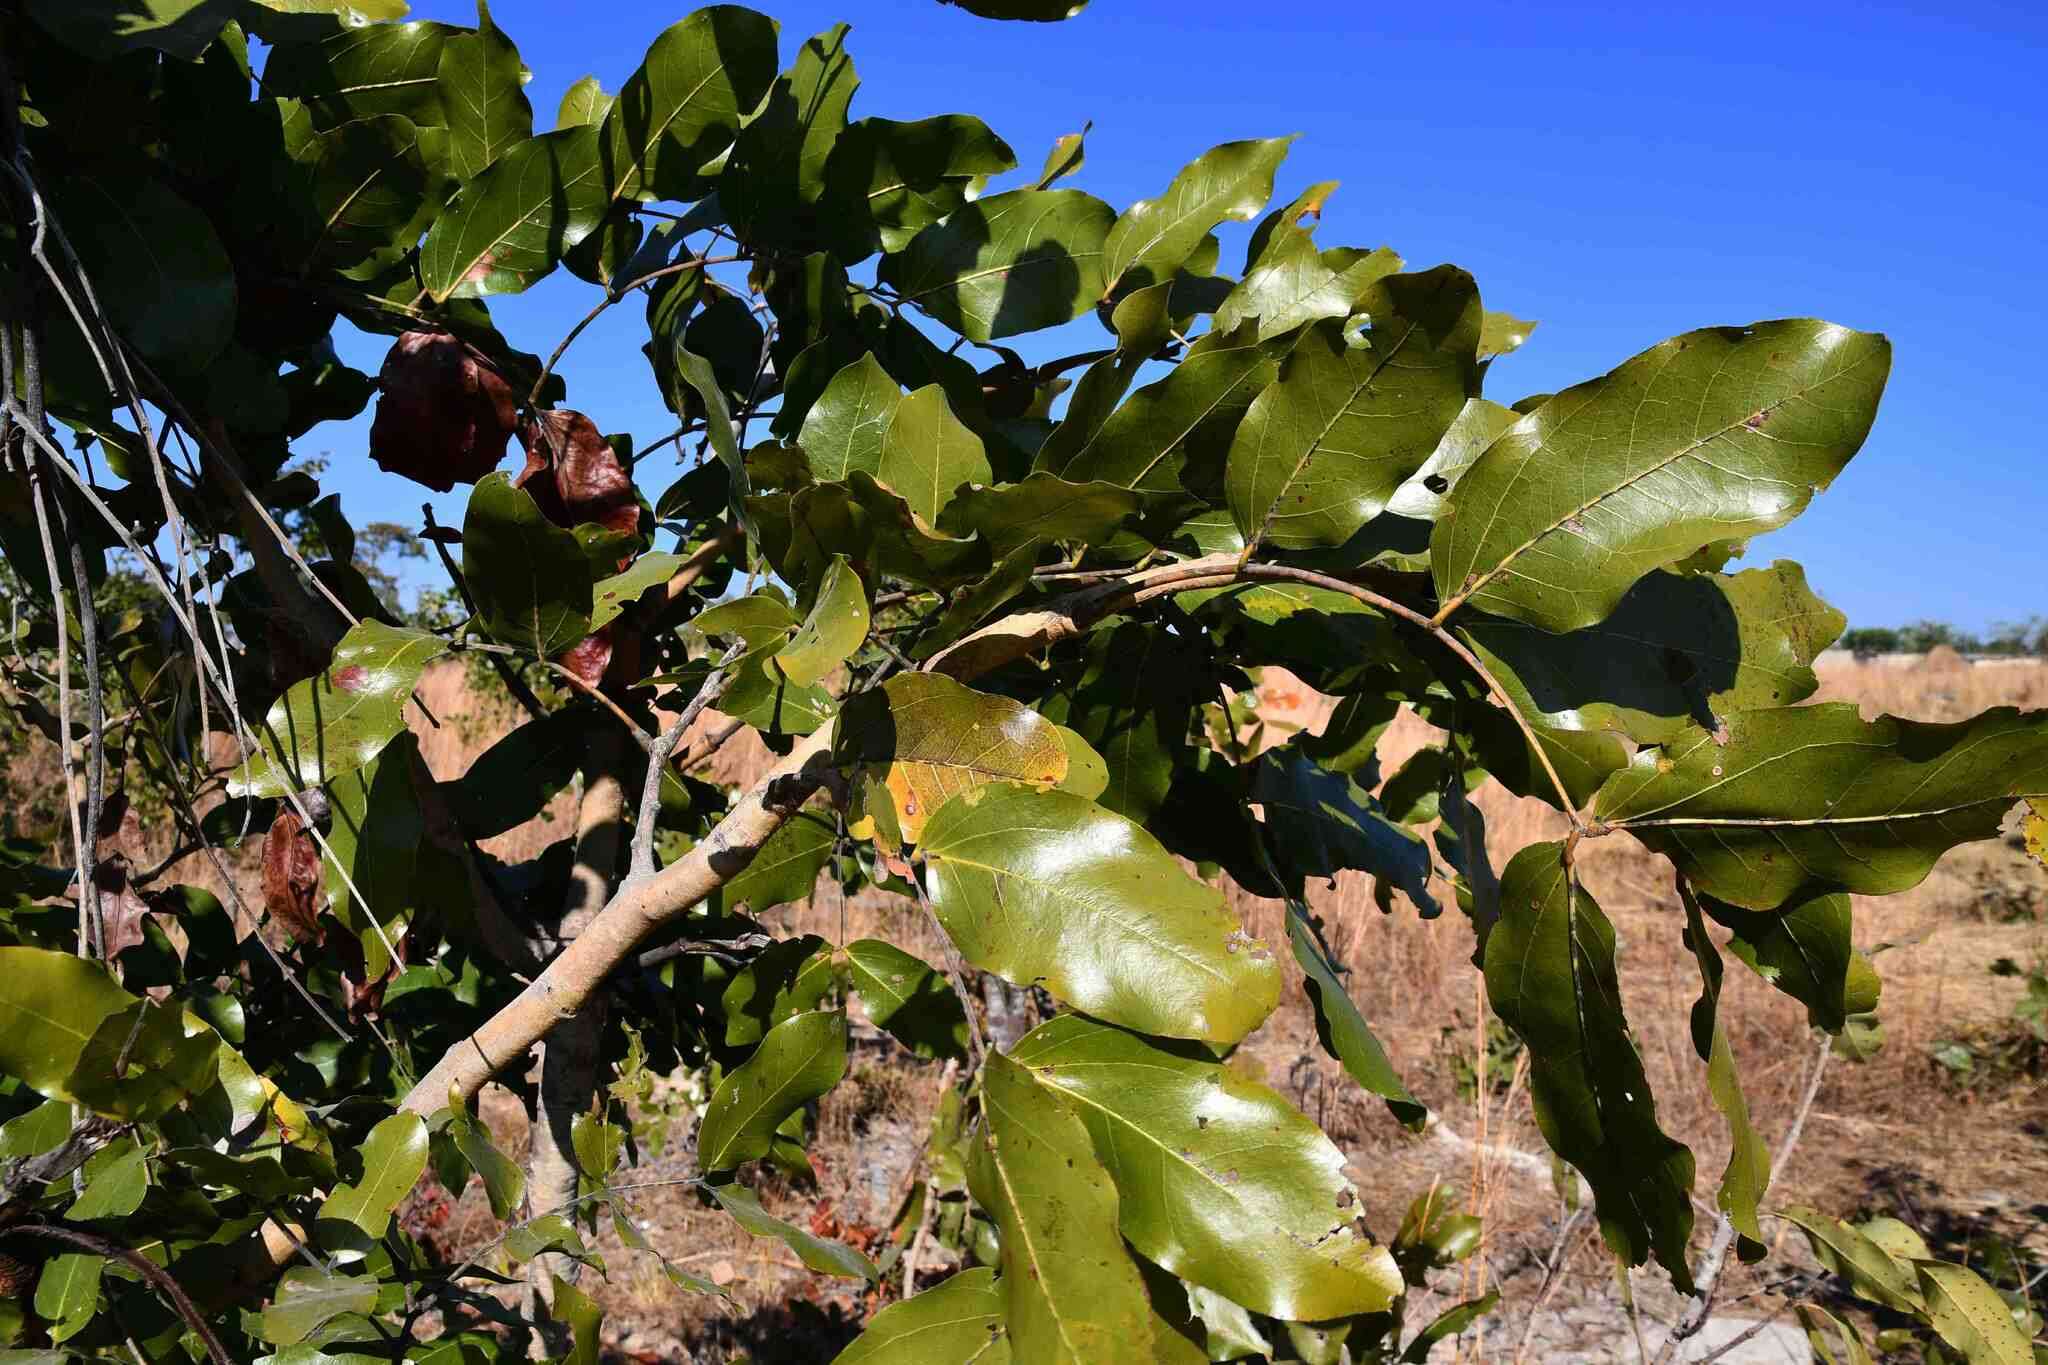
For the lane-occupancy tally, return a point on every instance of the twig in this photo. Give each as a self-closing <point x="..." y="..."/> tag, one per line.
<point x="641" y="866"/>
<point x="141" y="1265"/>
<point x="507" y="674"/>
<point x="611" y="297"/>
<point x="1727" y="1347"/>
<point x="977" y="1044"/>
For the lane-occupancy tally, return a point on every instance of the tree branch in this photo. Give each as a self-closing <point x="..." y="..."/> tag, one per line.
<point x="141" y="1265"/>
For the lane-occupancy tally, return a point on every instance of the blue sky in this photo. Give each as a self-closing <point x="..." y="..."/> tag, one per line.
<point x="1618" y="173"/>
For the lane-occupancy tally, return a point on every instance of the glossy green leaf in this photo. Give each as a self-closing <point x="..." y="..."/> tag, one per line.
<point x="1069" y="153"/>
<point x="1044" y="888"/>
<point x="909" y="998"/>
<point x="764" y="699"/>
<point x="1502" y="333"/>
<point x="67" y="1293"/>
<point x="787" y="865"/>
<point x="1971" y="1317"/>
<point x="341" y="718"/>
<point x="927" y="454"/>
<point x="846" y="428"/>
<point x="488" y="112"/>
<point x="545" y="1233"/>
<point x="788" y="978"/>
<point x="799" y="1060"/>
<point x="512" y="224"/>
<point x="1341" y="1028"/>
<point x="1011" y="263"/>
<point x="65" y="1025"/>
<point x="1873" y="1273"/>
<point x="1153" y="238"/>
<point x="959" y="1322"/>
<point x="583" y="1317"/>
<point x="1190" y="416"/>
<point x="1450" y="1323"/>
<point x="1071" y="1294"/>
<point x="1678" y="651"/>
<point x="1804" y="948"/>
<point x="41" y="1129"/>
<point x="834" y="629"/>
<point x="365" y="191"/>
<point x="1043" y="508"/>
<point x="374" y="835"/>
<point x="394" y="1157"/>
<point x="503" y="1179"/>
<point x="829" y="1257"/>
<point x="530" y="577"/>
<point x="1814" y="798"/>
<point x="1715" y="435"/>
<point x="1475" y="428"/>
<point x="585" y="101"/>
<point x="926" y="739"/>
<point x="155" y="262"/>
<point x="1550" y="976"/>
<point x="1749" y="1161"/>
<point x="1321" y="823"/>
<point x="107" y="28"/>
<point x="775" y="173"/>
<point x="307" y="1299"/>
<point x="683" y="106"/>
<point x="360" y="71"/>
<point x="1290" y="281"/>
<point x="610" y="596"/>
<point x="1353" y="415"/>
<point x="117" y="1178"/>
<point x="886" y="181"/>
<point x="1218" y="1178"/>
<point x="1131" y="700"/>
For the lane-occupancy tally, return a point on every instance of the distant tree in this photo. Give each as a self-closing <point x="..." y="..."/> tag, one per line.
<point x="1871" y="640"/>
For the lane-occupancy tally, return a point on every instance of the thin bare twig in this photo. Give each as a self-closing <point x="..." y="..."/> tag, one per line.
<point x="149" y="1270"/>
<point x="641" y="867"/>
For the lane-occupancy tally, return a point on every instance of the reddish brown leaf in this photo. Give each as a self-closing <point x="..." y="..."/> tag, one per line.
<point x="443" y="416"/>
<point x="574" y="475"/>
<point x="589" y="657"/>
<point x="291" y="876"/>
<point x="121" y="910"/>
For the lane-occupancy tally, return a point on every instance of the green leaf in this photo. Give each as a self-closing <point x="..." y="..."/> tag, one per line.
<point x="1044" y="507"/>
<point x="886" y="181"/>
<point x="1044" y="888"/>
<point x="775" y="174"/>
<point x="1341" y="1028"/>
<point x="909" y="998"/>
<point x="787" y="865"/>
<point x="308" y="1299"/>
<point x="1749" y="1161"/>
<point x="1153" y="238"/>
<point x="926" y="739"/>
<point x="834" y="629"/>
<point x="116" y="1180"/>
<point x="155" y="263"/>
<point x="1450" y="1323"/>
<point x="1071" y="1294"/>
<point x="1131" y="699"/>
<point x="1475" y="428"/>
<point x="610" y="596"/>
<point x="488" y="112"/>
<point x="927" y="453"/>
<point x="394" y="1157"/>
<point x="1321" y="823"/>
<point x="800" y="1059"/>
<point x="788" y="978"/>
<point x="1814" y="798"/>
<point x="1218" y="1179"/>
<point x="1187" y="418"/>
<point x="1678" y="651"/>
<point x="513" y="223"/>
<point x="41" y="1129"/>
<point x="1873" y="1273"/>
<point x="1550" y="975"/>
<point x="1087" y="774"/>
<point x="67" y="1293"/>
<point x="1971" y="1317"/>
<point x="375" y="833"/>
<point x="530" y="577"/>
<point x="548" y="1232"/>
<point x="1037" y="11"/>
<point x="1011" y="263"/>
<point x="512" y="781"/>
<point x="1353" y="415"/>
<point x="1715" y="435"/>
<point x="360" y="71"/>
<point x="846" y="428"/>
<point x="365" y="188"/>
<point x="684" y="105"/>
<point x="831" y="1258"/>
<point x="1288" y="281"/>
<point x="584" y="102"/>
<point x="959" y="1322"/>
<point x="65" y="1024"/>
<point x="504" y="1180"/>
<point x="1815" y="1321"/>
<point x="584" y="1319"/>
<point x="1069" y="153"/>
<point x="341" y="718"/>
<point x="104" y="29"/>
<point x="1804" y="949"/>
<point x="1502" y="333"/>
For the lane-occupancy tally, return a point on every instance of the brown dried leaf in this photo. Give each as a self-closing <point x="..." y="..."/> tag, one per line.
<point x="291" y="877"/>
<point x="443" y="415"/>
<point x="575" y="476"/>
<point x="121" y="910"/>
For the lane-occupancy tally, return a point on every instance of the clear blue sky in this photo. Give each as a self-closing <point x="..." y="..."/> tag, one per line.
<point x="1620" y="173"/>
